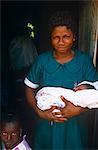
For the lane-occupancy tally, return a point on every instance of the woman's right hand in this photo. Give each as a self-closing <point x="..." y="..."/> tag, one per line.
<point x="49" y="115"/>
<point x="46" y="114"/>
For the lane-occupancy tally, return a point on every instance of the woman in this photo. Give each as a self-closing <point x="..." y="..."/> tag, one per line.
<point x="64" y="67"/>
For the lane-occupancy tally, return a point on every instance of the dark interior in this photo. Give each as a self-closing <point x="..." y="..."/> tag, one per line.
<point x="14" y="16"/>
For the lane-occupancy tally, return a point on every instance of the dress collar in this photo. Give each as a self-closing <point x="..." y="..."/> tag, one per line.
<point x="72" y="66"/>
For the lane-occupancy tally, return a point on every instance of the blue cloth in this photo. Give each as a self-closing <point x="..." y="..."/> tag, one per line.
<point x="46" y="71"/>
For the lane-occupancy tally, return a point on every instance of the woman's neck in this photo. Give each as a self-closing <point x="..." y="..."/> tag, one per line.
<point x="64" y="57"/>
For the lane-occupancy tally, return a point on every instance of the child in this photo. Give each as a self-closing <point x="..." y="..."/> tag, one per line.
<point x="11" y="134"/>
<point x="81" y="96"/>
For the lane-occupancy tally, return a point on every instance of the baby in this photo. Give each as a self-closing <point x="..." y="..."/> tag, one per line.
<point x="79" y="96"/>
<point x="11" y="134"/>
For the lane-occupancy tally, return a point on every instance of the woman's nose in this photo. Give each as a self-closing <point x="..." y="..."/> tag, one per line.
<point x="61" y="41"/>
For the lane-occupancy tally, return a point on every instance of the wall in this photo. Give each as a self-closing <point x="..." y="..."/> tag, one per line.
<point x="88" y="24"/>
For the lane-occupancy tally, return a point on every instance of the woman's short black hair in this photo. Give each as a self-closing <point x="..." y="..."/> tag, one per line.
<point x="61" y="18"/>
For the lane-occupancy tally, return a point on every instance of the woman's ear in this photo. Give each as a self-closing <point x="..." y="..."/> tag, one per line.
<point x="74" y="38"/>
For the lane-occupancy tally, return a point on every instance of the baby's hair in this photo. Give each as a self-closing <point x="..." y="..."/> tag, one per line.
<point x="62" y="18"/>
<point x="89" y="86"/>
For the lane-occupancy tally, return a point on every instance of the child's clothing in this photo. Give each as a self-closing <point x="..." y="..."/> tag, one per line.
<point x="50" y="96"/>
<point x="21" y="146"/>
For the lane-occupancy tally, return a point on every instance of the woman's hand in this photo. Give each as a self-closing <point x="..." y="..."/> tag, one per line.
<point x="49" y="115"/>
<point x="70" y="110"/>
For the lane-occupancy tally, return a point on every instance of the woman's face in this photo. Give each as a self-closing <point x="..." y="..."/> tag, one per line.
<point x="10" y="134"/>
<point x="62" y="39"/>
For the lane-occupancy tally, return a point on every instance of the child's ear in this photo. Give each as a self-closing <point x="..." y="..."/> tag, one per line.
<point x="20" y="132"/>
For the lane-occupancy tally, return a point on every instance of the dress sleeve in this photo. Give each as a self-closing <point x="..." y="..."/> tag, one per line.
<point x="33" y="78"/>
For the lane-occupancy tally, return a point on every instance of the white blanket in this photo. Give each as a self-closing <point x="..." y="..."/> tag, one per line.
<point x="50" y="96"/>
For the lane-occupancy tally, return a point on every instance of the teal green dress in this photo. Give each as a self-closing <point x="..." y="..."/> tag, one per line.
<point x="46" y="71"/>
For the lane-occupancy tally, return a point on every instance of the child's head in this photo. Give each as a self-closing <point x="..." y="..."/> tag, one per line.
<point x="11" y="131"/>
<point x="83" y="87"/>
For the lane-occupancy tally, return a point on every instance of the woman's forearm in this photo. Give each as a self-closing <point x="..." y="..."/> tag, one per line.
<point x="30" y="96"/>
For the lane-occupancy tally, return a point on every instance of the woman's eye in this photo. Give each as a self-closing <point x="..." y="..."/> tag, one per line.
<point x="67" y="36"/>
<point x="55" y="37"/>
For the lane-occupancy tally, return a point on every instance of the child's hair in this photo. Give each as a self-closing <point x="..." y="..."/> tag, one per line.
<point x="9" y="117"/>
<point x="62" y="18"/>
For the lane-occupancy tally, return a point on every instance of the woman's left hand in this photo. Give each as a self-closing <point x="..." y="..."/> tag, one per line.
<point x="70" y="110"/>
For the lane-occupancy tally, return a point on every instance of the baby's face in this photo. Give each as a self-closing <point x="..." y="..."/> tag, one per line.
<point x="80" y="87"/>
<point x="10" y="134"/>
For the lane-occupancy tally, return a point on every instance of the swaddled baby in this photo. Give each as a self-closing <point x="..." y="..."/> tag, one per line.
<point x="79" y="96"/>
<point x="49" y="96"/>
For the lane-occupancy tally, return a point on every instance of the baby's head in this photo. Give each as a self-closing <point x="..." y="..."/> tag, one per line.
<point x="84" y="87"/>
<point x="11" y="132"/>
